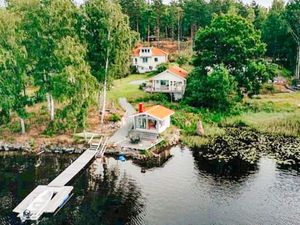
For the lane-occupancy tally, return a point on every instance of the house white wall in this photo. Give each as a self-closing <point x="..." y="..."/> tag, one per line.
<point x="168" y="76"/>
<point x="147" y="64"/>
<point x="146" y="61"/>
<point x="162" y="125"/>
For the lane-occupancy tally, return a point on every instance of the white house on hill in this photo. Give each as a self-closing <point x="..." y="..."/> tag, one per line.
<point x="146" y="59"/>
<point x="172" y="80"/>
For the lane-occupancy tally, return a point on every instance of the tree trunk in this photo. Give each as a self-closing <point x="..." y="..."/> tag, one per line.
<point x="105" y="80"/>
<point x="298" y="63"/>
<point x="137" y="25"/>
<point x="49" y="102"/>
<point x="99" y="98"/>
<point x="51" y="107"/>
<point x="22" y="125"/>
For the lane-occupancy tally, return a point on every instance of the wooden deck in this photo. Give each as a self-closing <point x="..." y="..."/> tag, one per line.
<point x="68" y="174"/>
<point x="61" y="194"/>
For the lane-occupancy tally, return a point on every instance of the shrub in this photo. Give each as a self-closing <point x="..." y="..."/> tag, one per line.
<point x="183" y="59"/>
<point x="217" y="90"/>
<point x="114" y="118"/>
<point x="162" y="67"/>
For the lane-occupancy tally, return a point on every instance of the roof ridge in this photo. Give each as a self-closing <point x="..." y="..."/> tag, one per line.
<point x="153" y="107"/>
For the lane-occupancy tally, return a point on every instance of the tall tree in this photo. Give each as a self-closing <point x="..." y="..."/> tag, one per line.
<point x="292" y="16"/>
<point x="74" y="77"/>
<point x="196" y="15"/>
<point x="109" y="41"/>
<point x="45" y="24"/>
<point x="13" y="60"/>
<point x="275" y="33"/>
<point x="232" y="41"/>
<point x="158" y="8"/>
<point x="134" y="9"/>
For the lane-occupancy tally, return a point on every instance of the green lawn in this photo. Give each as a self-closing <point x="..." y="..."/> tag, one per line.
<point x="278" y="114"/>
<point x="124" y="88"/>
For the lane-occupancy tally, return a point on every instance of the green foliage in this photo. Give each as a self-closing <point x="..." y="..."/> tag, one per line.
<point x="162" y="67"/>
<point x="100" y="17"/>
<point x="217" y="90"/>
<point x="114" y="118"/>
<point x="233" y="42"/>
<point x="186" y="121"/>
<point x="229" y="40"/>
<point x="156" y="97"/>
<point x="183" y="58"/>
<point x="13" y="60"/>
<point x="73" y="84"/>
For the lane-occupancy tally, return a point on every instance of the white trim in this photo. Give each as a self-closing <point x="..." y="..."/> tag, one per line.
<point x="172" y="73"/>
<point x="148" y="114"/>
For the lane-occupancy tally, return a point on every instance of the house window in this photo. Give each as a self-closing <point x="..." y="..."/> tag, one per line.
<point x="155" y="59"/>
<point x="164" y="82"/>
<point x="141" y="123"/>
<point x="135" y="60"/>
<point x="145" y="60"/>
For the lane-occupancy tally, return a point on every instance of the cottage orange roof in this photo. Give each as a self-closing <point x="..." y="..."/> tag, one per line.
<point x="159" y="111"/>
<point x="155" y="51"/>
<point x="178" y="71"/>
<point x="136" y="51"/>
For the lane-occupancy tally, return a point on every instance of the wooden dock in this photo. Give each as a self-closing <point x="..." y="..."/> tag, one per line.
<point x="62" y="192"/>
<point x="70" y="172"/>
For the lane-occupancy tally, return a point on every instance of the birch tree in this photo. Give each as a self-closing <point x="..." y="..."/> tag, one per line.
<point x="75" y="79"/>
<point x="109" y="41"/>
<point x="45" y="23"/>
<point x="13" y="58"/>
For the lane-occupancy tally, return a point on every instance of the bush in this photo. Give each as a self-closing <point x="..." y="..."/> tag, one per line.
<point x="162" y="67"/>
<point x="114" y="118"/>
<point x="183" y="59"/>
<point x="267" y="88"/>
<point x="157" y="97"/>
<point x="217" y="90"/>
<point x="142" y="86"/>
<point x="133" y="69"/>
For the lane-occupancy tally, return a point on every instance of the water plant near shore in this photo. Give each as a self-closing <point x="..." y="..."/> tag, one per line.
<point x="248" y="145"/>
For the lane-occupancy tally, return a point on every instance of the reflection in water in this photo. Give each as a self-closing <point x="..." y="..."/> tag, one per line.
<point x="184" y="190"/>
<point x="234" y="170"/>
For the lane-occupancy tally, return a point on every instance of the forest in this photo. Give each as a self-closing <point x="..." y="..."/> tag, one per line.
<point x="68" y="55"/>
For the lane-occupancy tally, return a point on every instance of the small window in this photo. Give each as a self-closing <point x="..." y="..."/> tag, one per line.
<point x="145" y="60"/>
<point x="155" y="59"/>
<point x="135" y="60"/>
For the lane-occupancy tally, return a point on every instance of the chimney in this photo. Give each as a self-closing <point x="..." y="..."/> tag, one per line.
<point x="141" y="107"/>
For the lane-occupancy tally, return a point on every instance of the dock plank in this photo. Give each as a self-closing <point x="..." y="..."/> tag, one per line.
<point x="70" y="172"/>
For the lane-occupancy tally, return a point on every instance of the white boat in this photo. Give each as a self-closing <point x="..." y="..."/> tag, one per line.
<point x="36" y="208"/>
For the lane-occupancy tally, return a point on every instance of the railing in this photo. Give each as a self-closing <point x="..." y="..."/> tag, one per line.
<point x="165" y="89"/>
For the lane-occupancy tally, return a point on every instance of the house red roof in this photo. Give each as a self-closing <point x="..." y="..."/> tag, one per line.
<point x="155" y="51"/>
<point x="159" y="111"/>
<point x="178" y="71"/>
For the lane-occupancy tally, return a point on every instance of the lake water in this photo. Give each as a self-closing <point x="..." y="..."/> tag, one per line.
<point x="183" y="191"/>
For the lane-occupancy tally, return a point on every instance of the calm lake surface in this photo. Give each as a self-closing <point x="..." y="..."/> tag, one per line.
<point x="183" y="191"/>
